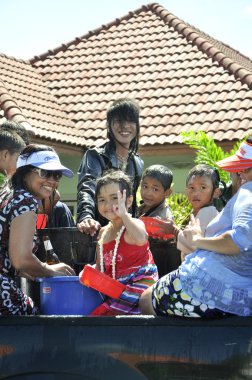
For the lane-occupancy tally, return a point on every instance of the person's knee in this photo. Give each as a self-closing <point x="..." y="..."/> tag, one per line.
<point x="145" y="302"/>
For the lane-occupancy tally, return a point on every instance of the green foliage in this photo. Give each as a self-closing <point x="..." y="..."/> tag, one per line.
<point x="2" y="179"/>
<point x="181" y="208"/>
<point x="207" y="152"/>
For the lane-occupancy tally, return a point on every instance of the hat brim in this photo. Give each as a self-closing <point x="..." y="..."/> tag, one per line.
<point x="54" y="166"/>
<point x="234" y="164"/>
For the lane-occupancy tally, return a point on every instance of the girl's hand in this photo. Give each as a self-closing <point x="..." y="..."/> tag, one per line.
<point x="120" y="209"/>
<point x="193" y="230"/>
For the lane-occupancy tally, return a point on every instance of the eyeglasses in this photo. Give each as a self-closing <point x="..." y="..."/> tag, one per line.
<point x="246" y="170"/>
<point x="44" y="174"/>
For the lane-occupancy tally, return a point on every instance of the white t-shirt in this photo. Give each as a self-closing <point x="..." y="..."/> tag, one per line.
<point x="205" y="215"/>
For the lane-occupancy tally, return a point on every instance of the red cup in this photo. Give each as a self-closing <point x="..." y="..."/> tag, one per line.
<point x="152" y="230"/>
<point x="41" y="221"/>
<point x="101" y="282"/>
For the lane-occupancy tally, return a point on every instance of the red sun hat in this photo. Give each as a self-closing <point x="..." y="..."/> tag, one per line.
<point x="240" y="161"/>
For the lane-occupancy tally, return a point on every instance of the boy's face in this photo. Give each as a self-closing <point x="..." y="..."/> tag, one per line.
<point x="152" y="192"/>
<point x="124" y="131"/>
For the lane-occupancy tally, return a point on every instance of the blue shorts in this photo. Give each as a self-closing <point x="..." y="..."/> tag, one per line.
<point x="168" y="298"/>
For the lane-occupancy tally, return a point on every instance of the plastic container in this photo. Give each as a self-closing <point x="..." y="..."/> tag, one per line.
<point x="154" y="231"/>
<point x="71" y="246"/>
<point x="65" y="295"/>
<point x="91" y="277"/>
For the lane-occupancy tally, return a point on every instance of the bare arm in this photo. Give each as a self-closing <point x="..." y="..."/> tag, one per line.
<point x="222" y="244"/>
<point x="135" y="228"/>
<point x="22" y="230"/>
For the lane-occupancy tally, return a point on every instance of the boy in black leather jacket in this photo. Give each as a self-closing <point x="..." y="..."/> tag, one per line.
<point x="119" y="152"/>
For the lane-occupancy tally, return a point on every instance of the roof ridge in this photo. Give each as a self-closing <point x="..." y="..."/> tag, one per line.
<point x="14" y="58"/>
<point x="216" y="50"/>
<point x="90" y="33"/>
<point x="11" y="109"/>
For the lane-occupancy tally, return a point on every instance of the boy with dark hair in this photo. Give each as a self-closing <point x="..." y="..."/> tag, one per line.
<point x="119" y="152"/>
<point x="13" y="127"/>
<point x="155" y="188"/>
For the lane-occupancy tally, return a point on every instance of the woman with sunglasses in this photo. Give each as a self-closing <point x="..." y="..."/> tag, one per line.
<point x="38" y="174"/>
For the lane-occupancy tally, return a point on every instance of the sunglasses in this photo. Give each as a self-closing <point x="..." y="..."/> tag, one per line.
<point x="246" y="170"/>
<point x="45" y="174"/>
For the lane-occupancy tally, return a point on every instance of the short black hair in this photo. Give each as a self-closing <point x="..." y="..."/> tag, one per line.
<point x="11" y="141"/>
<point x="205" y="170"/>
<point x="12" y="126"/>
<point x="161" y="173"/>
<point x="249" y="139"/>
<point x="114" y="176"/>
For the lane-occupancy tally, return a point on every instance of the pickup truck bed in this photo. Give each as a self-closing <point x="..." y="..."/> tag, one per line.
<point x="125" y="348"/>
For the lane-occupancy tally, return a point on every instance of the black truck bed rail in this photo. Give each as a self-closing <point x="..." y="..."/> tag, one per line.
<point x="125" y="348"/>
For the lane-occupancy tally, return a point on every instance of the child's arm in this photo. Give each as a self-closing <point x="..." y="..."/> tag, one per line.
<point x="135" y="228"/>
<point x="99" y="239"/>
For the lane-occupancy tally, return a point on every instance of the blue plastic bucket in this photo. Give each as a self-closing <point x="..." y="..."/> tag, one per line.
<point x="67" y="296"/>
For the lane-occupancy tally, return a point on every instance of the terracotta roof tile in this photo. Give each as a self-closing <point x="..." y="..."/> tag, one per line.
<point x="25" y="98"/>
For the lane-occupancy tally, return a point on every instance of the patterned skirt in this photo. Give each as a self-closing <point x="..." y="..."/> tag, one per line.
<point x="128" y="303"/>
<point x="169" y="298"/>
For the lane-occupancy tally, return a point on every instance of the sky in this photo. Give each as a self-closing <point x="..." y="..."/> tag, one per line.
<point x="32" y="27"/>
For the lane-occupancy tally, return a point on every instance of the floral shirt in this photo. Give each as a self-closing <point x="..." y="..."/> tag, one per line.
<point x="16" y="204"/>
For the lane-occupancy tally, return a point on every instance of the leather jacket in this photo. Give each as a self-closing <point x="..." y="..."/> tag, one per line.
<point x="93" y="163"/>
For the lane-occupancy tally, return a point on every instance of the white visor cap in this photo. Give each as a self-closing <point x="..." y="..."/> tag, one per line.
<point x="46" y="160"/>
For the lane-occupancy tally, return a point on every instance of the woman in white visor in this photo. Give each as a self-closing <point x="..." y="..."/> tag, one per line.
<point x="38" y="174"/>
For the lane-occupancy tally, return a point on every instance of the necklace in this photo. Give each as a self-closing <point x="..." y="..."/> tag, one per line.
<point x="117" y="242"/>
<point x="122" y="161"/>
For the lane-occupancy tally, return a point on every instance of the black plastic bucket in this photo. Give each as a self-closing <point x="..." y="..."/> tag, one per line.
<point x="72" y="247"/>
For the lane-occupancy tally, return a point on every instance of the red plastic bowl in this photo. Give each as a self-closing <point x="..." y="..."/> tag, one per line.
<point x="92" y="278"/>
<point x="152" y="230"/>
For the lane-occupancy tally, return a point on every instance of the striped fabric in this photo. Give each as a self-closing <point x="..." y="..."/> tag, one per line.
<point x="135" y="283"/>
<point x="240" y="161"/>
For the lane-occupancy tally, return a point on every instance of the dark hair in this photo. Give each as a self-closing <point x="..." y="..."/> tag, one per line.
<point x="205" y="170"/>
<point x="161" y="173"/>
<point x="114" y="176"/>
<point x="122" y="110"/>
<point x="12" y="126"/>
<point x="11" y="141"/>
<point x="18" y="178"/>
<point x="249" y="139"/>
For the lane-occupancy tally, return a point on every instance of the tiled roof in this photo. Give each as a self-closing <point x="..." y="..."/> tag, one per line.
<point x="182" y="78"/>
<point x="25" y="98"/>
